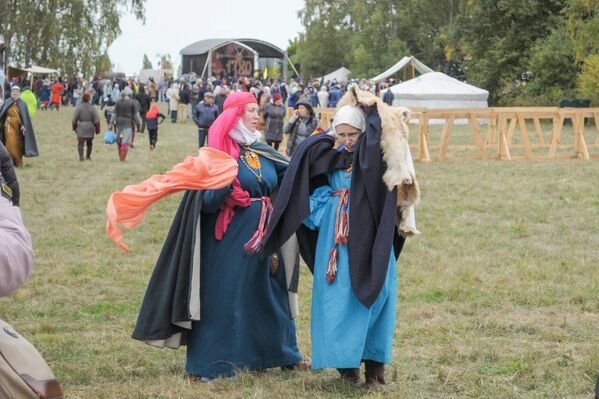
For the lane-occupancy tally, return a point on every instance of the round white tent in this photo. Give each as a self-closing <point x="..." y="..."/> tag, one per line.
<point x="340" y="75"/>
<point x="437" y="90"/>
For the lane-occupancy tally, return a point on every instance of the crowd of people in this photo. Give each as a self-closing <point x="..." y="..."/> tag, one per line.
<point x="189" y="97"/>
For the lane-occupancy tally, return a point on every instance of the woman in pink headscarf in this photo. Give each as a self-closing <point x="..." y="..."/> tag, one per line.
<point x="241" y="312"/>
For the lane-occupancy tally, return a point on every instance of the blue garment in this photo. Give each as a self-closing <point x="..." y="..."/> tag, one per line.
<point x="345" y="332"/>
<point x="245" y="317"/>
<point x="334" y="96"/>
<point x="204" y="115"/>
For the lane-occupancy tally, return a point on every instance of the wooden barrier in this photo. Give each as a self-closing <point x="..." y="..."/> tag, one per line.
<point x="502" y="123"/>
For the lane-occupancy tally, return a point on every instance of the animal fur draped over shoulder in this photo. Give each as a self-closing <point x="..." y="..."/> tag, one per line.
<point x="394" y="144"/>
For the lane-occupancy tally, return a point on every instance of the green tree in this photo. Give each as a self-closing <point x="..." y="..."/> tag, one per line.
<point x="70" y="35"/>
<point x="582" y="27"/>
<point x="146" y="62"/>
<point x="588" y="81"/>
<point x="553" y="69"/>
<point x="165" y="62"/>
<point x="497" y="37"/>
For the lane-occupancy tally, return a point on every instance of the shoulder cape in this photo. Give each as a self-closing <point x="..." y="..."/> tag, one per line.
<point x="30" y="147"/>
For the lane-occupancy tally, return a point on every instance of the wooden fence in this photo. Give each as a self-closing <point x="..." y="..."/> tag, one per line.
<point x="550" y="140"/>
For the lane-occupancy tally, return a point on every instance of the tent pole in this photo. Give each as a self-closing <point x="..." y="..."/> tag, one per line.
<point x="292" y="66"/>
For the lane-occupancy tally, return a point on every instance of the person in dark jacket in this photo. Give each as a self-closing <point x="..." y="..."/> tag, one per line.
<point x="152" y="119"/>
<point x="184" y="99"/>
<point x="388" y="96"/>
<point x="220" y="98"/>
<point x="144" y="101"/>
<point x="204" y="115"/>
<point x="86" y="123"/>
<point x="334" y="96"/>
<point x="301" y="125"/>
<point x="273" y="115"/>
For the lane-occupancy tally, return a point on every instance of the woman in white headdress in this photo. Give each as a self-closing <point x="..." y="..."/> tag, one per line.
<point x="344" y="332"/>
<point x="351" y="250"/>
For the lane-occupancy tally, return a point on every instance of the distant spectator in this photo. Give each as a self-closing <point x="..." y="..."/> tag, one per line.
<point x="301" y="125"/>
<point x="204" y="115"/>
<point x="274" y="115"/>
<point x="86" y="123"/>
<point x="152" y="119"/>
<point x="323" y="97"/>
<point x="334" y="96"/>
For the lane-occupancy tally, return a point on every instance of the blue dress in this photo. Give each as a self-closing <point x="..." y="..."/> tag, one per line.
<point x="345" y="332"/>
<point x="245" y="317"/>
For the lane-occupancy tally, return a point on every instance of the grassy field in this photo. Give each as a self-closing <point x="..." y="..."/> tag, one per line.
<point x="498" y="298"/>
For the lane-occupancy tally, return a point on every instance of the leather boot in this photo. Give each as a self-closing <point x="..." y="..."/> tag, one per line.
<point x="375" y="372"/>
<point x="124" y="150"/>
<point x="80" y="149"/>
<point x="350" y="375"/>
<point x="89" y="150"/>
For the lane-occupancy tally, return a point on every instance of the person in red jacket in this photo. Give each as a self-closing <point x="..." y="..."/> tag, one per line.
<point x="56" y="89"/>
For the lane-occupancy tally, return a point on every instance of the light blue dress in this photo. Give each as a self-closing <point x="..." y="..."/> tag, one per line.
<point x="344" y="331"/>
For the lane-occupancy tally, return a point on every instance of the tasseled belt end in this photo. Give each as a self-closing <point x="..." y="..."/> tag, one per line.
<point x="254" y="245"/>
<point x="332" y="266"/>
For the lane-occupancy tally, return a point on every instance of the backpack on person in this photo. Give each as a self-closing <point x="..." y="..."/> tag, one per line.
<point x="23" y="371"/>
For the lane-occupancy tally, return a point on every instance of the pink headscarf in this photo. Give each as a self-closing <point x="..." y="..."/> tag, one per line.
<point x="233" y="110"/>
<point x="218" y="137"/>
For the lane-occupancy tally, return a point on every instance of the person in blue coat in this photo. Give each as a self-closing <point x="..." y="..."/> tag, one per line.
<point x="352" y="254"/>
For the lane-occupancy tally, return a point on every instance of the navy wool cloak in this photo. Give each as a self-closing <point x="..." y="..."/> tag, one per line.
<point x="373" y="211"/>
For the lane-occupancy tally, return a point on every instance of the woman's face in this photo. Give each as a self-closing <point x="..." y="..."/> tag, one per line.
<point x="348" y="135"/>
<point x="278" y="102"/>
<point x="251" y="117"/>
<point x="303" y="111"/>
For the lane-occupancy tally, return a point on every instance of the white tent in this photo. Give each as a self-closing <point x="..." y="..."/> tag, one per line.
<point x="39" y="70"/>
<point x="437" y="90"/>
<point x="404" y="62"/>
<point x="340" y="75"/>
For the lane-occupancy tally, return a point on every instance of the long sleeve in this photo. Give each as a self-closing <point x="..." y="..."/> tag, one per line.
<point x="290" y="124"/>
<point x="213" y="199"/>
<point x="16" y="250"/>
<point x="318" y="200"/>
<point x="75" y="119"/>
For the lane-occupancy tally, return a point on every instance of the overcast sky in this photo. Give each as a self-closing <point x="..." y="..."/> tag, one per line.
<point x="173" y="25"/>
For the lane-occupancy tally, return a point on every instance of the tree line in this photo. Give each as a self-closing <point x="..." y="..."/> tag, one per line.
<point x="522" y="51"/>
<point x="70" y="35"/>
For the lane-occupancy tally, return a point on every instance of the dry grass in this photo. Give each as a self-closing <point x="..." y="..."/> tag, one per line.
<point x="498" y="297"/>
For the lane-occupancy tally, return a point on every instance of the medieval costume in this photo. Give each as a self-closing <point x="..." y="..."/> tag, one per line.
<point x="236" y="311"/>
<point x="86" y="124"/>
<point x="16" y="130"/>
<point x="125" y="117"/>
<point x="56" y="98"/>
<point x="351" y="249"/>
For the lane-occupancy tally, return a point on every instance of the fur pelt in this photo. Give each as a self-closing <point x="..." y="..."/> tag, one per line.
<point x="394" y="144"/>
